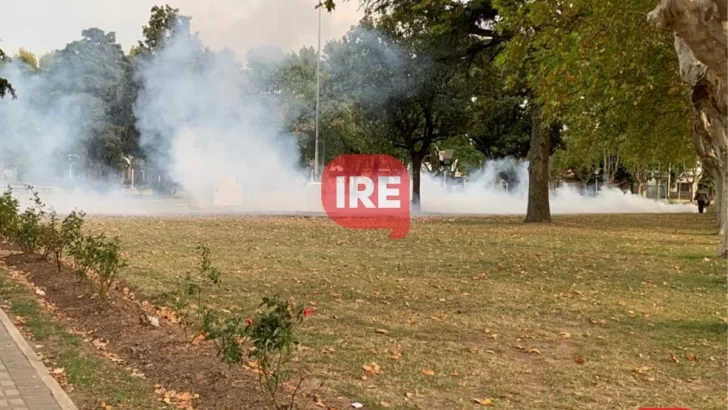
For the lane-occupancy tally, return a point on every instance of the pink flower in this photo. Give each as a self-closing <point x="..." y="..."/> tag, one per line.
<point x="249" y="321"/>
<point x="307" y="312"/>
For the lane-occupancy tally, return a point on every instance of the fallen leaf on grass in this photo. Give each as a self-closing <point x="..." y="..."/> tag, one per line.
<point x="483" y="402"/>
<point x="641" y="369"/>
<point x="181" y="400"/>
<point x="58" y="370"/>
<point x="428" y="372"/>
<point x="579" y="360"/>
<point x="317" y="401"/>
<point x="99" y="344"/>
<point x="200" y="337"/>
<point x="382" y="331"/>
<point x="692" y="357"/>
<point x="372" y="368"/>
<point x="168" y="314"/>
<point x="148" y="320"/>
<point x="105" y="406"/>
<point x="674" y="358"/>
<point x="39" y="291"/>
<point x="328" y="349"/>
<point x="136" y="373"/>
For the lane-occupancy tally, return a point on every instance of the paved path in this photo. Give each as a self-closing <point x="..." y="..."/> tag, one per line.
<point x="25" y="383"/>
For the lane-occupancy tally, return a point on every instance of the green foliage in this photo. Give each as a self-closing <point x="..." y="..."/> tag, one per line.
<point x="271" y="332"/>
<point x="108" y="262"/>
<point x="27" y="231"/>
<point x="501" y="125"/>
<point x="95" y="254"/>
<point x="192" y="289"/>
<point x="38" y="229"/>
<point x="50" y="238"/>
<point x="601" y="69"/>
<point x="98" y="69"/>
<point x="56" y="240"/>
<point x="164" y="23"/>
<point x="9" y="208"/>
<point x="5" y="86"/>
<point x="396" y="93"/>
<point x="83" y="253"/>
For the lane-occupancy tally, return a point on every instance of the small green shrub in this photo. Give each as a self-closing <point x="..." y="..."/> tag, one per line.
<point x="9" y="208"/>
<point x="192" y="289"/>
<point x="56" y="239"/>
<point x="50" y="237"/>
<point x="271" y="332"/>
<point x="108" y="262"/>
<point x="83" y="252"/>
<point x="97" y="254"/>
<point x="69" y="236"/>
<point x="27" y="231"/>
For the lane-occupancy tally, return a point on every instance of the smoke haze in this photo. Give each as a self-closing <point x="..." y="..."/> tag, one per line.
<point x="200" y="117"/>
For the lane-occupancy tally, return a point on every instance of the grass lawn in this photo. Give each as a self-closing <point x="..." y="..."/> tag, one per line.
<point x="608" y="311"/>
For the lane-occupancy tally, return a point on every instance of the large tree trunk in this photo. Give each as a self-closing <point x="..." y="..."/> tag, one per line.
<point x="722" y="209"/>
<point x="701" y="43"/>
<point x="416" y="177"/>
<point x="718" y="202"/>
<point x="539" y="209"/>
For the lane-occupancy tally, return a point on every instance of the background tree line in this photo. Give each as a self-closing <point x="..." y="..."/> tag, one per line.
<point x="582" y="85"/>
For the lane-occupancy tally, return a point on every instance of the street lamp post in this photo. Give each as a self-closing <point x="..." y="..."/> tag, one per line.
<point x="318" y="68"/>
<point x="71" y="158"/>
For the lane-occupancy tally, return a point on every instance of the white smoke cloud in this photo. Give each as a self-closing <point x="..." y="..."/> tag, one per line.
<point x="41" y="125"/>
<point x="483" y="195"/>
<point x="213" y="129"/>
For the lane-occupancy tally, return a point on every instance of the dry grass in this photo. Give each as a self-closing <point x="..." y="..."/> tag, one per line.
<point x="496" y="309"/>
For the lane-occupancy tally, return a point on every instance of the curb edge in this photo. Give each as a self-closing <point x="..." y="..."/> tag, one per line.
<point x="56" y="390"/>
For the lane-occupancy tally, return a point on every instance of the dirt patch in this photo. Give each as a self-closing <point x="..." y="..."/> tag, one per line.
<point x="162" y="353"/>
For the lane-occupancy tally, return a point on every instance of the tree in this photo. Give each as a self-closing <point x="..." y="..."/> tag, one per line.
<point x="165" y="23"/>
<point x="389" y="76"/>
<point x="97" y="68"/>
<point x="472" y="28"/>
<point x="501" y="126"/>
<point x="700" y="30"/>
<point x="29" y="59"/>
<point x="5" y="86"/>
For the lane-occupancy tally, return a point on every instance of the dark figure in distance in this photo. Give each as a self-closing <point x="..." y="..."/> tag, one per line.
<point x="703" y="201"/>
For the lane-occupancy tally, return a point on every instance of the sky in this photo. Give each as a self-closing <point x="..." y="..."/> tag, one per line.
<point x="41" y="26"/>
